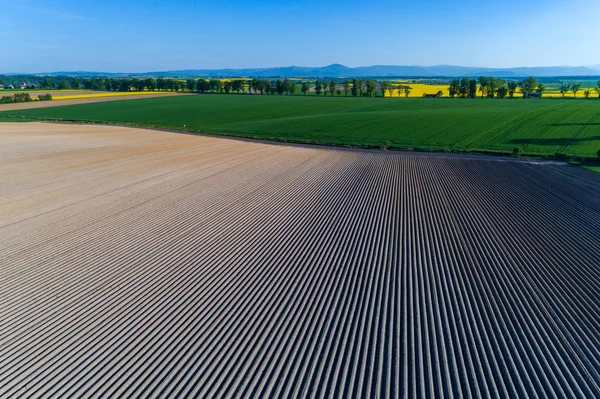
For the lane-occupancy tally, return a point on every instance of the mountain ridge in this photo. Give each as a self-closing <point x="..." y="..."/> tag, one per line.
<point x="340" y="71"/>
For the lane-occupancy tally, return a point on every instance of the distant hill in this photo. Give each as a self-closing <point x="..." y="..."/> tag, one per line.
<point x="339" y="71"/>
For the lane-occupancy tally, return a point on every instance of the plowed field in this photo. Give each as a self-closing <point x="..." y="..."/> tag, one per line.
<point x="141" y="263"/>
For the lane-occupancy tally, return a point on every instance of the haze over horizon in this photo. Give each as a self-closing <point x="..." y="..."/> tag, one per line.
<point x="114" y="36"/>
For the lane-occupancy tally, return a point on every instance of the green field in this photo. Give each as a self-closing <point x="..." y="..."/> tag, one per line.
<point x="538" y="127"/>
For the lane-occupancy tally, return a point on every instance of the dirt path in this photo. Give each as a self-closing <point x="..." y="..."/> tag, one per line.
<point x="140" y="263"/>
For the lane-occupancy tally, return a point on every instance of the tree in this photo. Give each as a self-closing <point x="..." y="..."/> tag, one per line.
<point x="259" y="85"/>
<point x="227" y="86"/>
<point x="160" y="84"/>
<point x="400" y="89"/>
<point x="528" y="86"/>
<point x="575" y="88"/>
<point x="564" y="88"/>
<point x="484" y="82"/>
<point x="520" y="86"/>
<point x="347" y="87"/>
<point x="371" y="86"/>
<point x="150" y="83"/>
<point x="286" y="85"/>
<point x="169" y="84"/>
<point x="360" y="86"/>
<point x="202" y="85"/>
<point x="318" y="87"/>
<point x="355" y="91"/>
<point x="407" y="90"/>
<point x="111" y="84"/>
<point x="598" y="88"/>
<point x="47" y="83"/>
<point x="332" y="87"/>
<point x="495" y="85"/>
<point x="137" y="83"/>
<point x="540" y="89"/>
<point x="75" y="84"/>
<point x="125" y="85"/>
<point x="268" y="86"/>
<point x="237" y="85"/>
<point x="453" y="89"/>
<point x="218" y="86"/>
<point x="172" y="85"/>
<point x="385" y="86"/>
<point x="492" y="87"/>
<point x="463" y="89"/>
<point x="64" y="85"/>
<point x="21" y="98"/>
<point x="292" y="88"/>
<point x="472" y="88"/>
<point x="502" y="91"/>
<point x="305" y="88"/>
<point x="512" y="87"/>
<point x="587" y="93"/>
<point x="190" y="85"/>
<point x="279" y="87"/>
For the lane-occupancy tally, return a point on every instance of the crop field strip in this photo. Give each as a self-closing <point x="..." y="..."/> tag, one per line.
<point x="536" y="127"/>
<point x="147" y="264"/>
<point x="60" y="100"/>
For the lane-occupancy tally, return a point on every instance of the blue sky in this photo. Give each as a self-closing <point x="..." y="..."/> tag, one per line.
<point x="153" y="35"/>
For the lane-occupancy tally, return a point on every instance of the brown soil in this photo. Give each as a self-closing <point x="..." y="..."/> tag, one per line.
<point x="139" y="263"/>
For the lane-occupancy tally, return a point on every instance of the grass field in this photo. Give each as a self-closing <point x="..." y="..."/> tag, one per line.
<point x="539" y="127"/>
<point x="144" y="264"/>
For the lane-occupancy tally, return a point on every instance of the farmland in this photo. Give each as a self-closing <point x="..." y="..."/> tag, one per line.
<point x="80" y="94"/>
<point x="140" y="263"/>
<point x="537" y="127"/>
<point x="83" y="98"/>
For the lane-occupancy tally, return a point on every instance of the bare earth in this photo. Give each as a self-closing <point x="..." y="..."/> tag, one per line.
<point x="138" y="263"/>
<point x="58" y="103"/>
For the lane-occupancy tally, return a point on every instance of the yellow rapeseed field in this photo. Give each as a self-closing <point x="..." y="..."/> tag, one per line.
<point x="419" y="89"/>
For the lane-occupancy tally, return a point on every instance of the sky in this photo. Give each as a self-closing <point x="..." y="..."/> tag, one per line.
<point x="159" y="35"/>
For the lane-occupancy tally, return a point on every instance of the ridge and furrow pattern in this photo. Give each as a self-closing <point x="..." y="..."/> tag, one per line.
<point x="147" y="264"/>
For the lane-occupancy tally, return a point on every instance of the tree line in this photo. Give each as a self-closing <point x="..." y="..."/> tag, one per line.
<point x="490" y="87"/>
<point x="23" y="98"/>
<point x="484" y="86"/>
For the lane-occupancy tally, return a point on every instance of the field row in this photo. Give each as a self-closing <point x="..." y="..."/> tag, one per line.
<point x="147" y="264"/>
